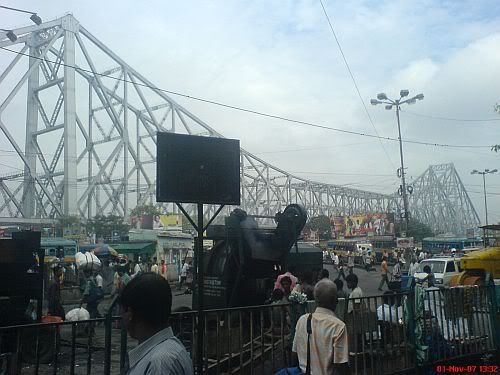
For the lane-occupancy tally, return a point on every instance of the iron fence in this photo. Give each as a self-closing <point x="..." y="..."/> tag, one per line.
<point x="391" y="333"/>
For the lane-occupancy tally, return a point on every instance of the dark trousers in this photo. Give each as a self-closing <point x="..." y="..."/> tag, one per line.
<point x="384" y="280"/>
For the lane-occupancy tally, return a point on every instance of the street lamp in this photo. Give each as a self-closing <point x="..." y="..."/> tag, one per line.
<point x="383" y="99"/>
<point x="486" y="171"/>
<point x="34" y="17"/>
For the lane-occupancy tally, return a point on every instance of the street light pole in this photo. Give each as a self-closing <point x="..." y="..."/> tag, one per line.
<point x="403" y="180"/>
<point x="383" y="99"/>
<point x="484" y="173"/>
<point x="485" y="200"/>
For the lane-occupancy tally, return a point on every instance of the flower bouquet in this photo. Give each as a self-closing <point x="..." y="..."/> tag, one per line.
<point x="297" y="297"/>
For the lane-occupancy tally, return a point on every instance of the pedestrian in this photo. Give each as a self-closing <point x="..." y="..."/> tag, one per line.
<point x="356" y="294"/>
<point x="412" y="270"/>
<point x="137" y="269"/>
<point x="356" y="310"/>
<point x="183" y="275"/>
<point x="397" y="270"/>
<point x="147" y="305"/>
<point x="388" y="312"/>
<point x="286" y="286"/>
<point x="350" y="262"/>
<point x="429" y="280"/>
<point x="288" y="274"/>
<point x="154" y="266"/>
<point x="306" y="285"/>
<point x="383" y="274"/>
<point x="329" y="352"/>
<point x="421" y="256"/>
<point x="164" y="270"/>
<point x="341" y="269"/>
<point x="54" y="295"/>
<point x="98" y="279"/>
<point x="92" y="295"/>
<point x="324" y="274"/>
<point x="341" y="293"/>
<point x="335" y="261"/>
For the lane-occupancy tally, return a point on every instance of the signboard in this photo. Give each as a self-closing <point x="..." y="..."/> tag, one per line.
<point x="195" y="169"/>
<point x="378" y="224"/>
<point x="405" y="242"/>
<point x="156" y="221"/>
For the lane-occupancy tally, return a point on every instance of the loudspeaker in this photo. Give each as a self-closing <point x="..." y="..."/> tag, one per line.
<point x="195" y="169"/>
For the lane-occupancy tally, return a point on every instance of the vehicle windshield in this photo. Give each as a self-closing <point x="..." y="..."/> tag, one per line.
<point x="437" y="266"/>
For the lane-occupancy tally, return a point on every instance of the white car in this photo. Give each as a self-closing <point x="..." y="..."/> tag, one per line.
<point x="443" y="268"/>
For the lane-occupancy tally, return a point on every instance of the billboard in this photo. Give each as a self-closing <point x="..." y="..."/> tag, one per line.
<point x="156" y="221"/>
<point x="361" y="225"/>
<point x="405" y="242"/>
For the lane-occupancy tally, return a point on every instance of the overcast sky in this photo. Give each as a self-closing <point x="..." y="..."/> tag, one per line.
<point x="280" y="57"/>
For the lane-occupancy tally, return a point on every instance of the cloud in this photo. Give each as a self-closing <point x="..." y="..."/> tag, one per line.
<point x="281" y="58"/>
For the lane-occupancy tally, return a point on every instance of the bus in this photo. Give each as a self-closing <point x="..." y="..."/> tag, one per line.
<point x="435" y="245"/>
<point x="356" y="246"/>
<point x="58" y="249"/>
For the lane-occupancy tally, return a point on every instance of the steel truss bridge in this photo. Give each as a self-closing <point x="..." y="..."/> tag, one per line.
<point x="87" y="142"/>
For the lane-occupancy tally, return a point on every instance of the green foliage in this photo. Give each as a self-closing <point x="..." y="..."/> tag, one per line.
<point x="148" y="209"/>
<point x="66" y="222"/>
<point x="416" y="229"/>
<point x="104" y="226"/>
<point x="322" y="225"/>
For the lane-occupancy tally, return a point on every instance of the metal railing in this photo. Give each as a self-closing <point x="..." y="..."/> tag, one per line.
<point x="390" y="333"/>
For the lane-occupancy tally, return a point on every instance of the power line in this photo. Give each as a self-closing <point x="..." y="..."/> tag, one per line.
<point x="450" y="118"/>
<point x="258" y="113"/>
<point x="354" y="82"/>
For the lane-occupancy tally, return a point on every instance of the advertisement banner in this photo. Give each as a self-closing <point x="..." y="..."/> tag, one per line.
<point x="156" y="221"/>
<point x="405" y="242"/>
<point x="361" y="225"/>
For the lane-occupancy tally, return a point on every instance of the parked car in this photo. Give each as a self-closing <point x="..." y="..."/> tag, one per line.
<point x="443" y="268"/>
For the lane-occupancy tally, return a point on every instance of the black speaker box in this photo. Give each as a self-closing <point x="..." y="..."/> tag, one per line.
<point x="195" y="169"/>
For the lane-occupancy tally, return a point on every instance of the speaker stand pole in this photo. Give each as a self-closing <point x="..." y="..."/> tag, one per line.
<point x="199" y="281"/>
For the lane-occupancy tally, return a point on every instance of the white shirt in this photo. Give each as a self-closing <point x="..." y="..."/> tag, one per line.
<point x="413" y="269"/>
<point x="137" y="269"/>
<point x="389" y="313"/>
<point x="162" y="353"/>
<point x="154" y="268"/>
<point x="356" y="293"/>
<point x="336" y="259"/>
<point x="98" y="280"/>
<point x="184" y="269"/>
<point x="328" y="342"/>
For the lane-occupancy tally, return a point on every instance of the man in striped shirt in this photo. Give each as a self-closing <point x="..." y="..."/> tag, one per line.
<point x="328" y="341"/>
<point x="147" y="303"/>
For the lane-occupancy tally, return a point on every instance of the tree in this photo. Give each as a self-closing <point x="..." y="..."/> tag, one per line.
<point x="145" y="210"/>
<point x="104" y="226"/>
<point x="416" y="229"/>
<point x="322" y="225"/>
<point x="67" y="222"/>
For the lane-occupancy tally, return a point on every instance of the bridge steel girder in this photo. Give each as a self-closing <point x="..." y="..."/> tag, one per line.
<point x="108" y="142"/>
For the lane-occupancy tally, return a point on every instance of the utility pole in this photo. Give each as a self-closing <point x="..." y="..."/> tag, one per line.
<point x="403" y="189"/>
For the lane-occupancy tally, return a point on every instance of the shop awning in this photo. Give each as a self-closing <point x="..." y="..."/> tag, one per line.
<point x="135" y="247"/>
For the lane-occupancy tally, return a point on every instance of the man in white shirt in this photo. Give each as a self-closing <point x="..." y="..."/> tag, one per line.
<point x="412" y="270"/>
<point x="388" y="312"/>
<point x="147" y="304"/>
<point x="154" y="266"/>
<point x="184" y="272"/>
<point x="329" y="352"/>
<point x="355" y="301"/>
<point x="98" y="280"/>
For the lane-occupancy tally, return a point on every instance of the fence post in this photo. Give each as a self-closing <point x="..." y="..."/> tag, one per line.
<point x="107" y="343"/>
<point x="495" y="329"/>
<point x="410" y="309"/>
